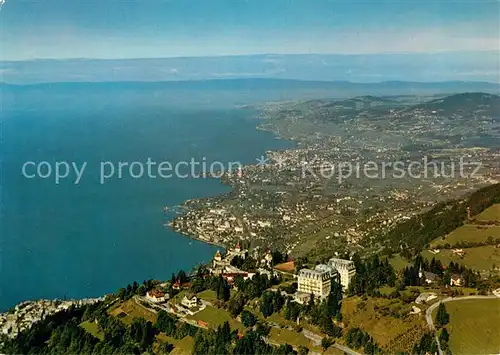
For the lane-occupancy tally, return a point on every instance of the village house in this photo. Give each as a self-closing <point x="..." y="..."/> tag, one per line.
<point x="428" y="276"/>
<point x="190" y="302"/>
<point x="179" y="286"/>
<point x="457" y="280"/>
<point x="156" y="296"/>
<point x="459" y="252"/>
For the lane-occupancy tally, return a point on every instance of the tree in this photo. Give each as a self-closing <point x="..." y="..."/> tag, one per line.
<point x="165" y="348"/>
<point x="222" y="289"/>
<point x="236" y="304"/>
<point x="303" y="350"/>
<point x="266" y="305"/>
<point x="182" y="277"/>
<point x="326" y="343"/>
<point x="248" y="319"/>
<point x="444" y="336"/>
<point x="165" y="323"/>
<point x="142" y="332"/>
<point x="442" y="316"/>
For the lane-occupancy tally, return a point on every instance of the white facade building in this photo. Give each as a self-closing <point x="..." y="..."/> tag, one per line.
<point x="190" y="302"/>
<point x="344" y="268"/>
<point x="313" y="281"/>
<point x="156" y="296"/>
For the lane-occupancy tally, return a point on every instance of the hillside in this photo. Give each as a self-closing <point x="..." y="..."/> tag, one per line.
<point x="416" y="233"/>
<point x="464" y="104"/>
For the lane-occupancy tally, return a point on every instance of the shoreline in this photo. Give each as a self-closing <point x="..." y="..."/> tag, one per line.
<point x="225" y="181"/>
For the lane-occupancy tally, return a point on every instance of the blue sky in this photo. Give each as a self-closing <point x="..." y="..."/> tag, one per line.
<point x="171" y="28"/>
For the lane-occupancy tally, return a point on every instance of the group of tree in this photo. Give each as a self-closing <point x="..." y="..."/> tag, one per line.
<point x="444" y="337"/>
<point x="61" y="333"/>
<point x="370" y="275"/>
<point x="248" y="319"/>
<point x="323" y="312"/>
<point x="254" y="287"/>
<point x="133" y="289"/>
<point x="215" y="341"/>
<point x="426" y="345"/>
<point x="442" y="316"/>
<point x="357" y="338"/>
<point x="246" y="263"/>
<point x="222" y="289"/>
<point x="171" y="326"/>
<point x="412" y="274"/>
<point x="181" y="277"/>
<point x="223" y="341"/>
<point x="271" y="302"/>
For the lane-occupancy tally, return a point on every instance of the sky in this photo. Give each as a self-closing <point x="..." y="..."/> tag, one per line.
<point x="120" y="29"/>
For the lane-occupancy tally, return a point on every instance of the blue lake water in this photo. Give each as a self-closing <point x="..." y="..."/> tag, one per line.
<point x="89" y="239"/>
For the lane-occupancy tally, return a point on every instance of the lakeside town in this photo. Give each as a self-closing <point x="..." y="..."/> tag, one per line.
<point x="311" y="264"/>
<point x="314" y="194"/>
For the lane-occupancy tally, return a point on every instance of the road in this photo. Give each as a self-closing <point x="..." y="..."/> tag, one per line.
<point x="345" y="349"/>
<point x="428" y="313"/>
<point x="316" y="340"/>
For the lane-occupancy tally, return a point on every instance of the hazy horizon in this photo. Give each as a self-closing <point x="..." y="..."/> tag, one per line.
<point x="367" y="68"/>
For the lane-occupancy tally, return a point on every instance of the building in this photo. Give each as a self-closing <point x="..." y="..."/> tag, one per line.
<point x="456" y="280"/>
<point x="268" y="259"/>
<point x="156" y="296"/>
<point x="345" y="269"/>
<point x="222" y="263"/>
<point x="237" y="251"/>
<point x="428" y="276"/>
<point x="314" y="282"/>
<point x="217" y="256"/>
<point x="190" y="302"/>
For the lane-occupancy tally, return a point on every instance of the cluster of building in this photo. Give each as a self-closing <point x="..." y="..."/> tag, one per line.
<point x="189" y="305"/>
<point x="221" y="264"/>
<point x="431" y="278"/>
<point x="25" y="314"/>
<point x="318" y="281"/>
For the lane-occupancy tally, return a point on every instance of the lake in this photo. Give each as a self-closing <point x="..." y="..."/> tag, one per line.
<point x="81" y="240"/>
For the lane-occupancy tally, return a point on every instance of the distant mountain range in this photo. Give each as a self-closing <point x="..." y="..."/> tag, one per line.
<point x="237" y="92"/>
<point x="421" y="67"/>
<point x="264" y="83"/>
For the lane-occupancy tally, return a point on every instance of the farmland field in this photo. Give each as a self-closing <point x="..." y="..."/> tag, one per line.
<point x="215" y="317"/>
<point x="469" y="233"/>
<point x="208" y="295"/>
<point x="92" y="328"/>
<point x="474" y="326"/>
<point x="484" y="258"/>
<point x="398" y="262"/>
<point x="490" y="214"/>
<point x="129" y="310"/>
